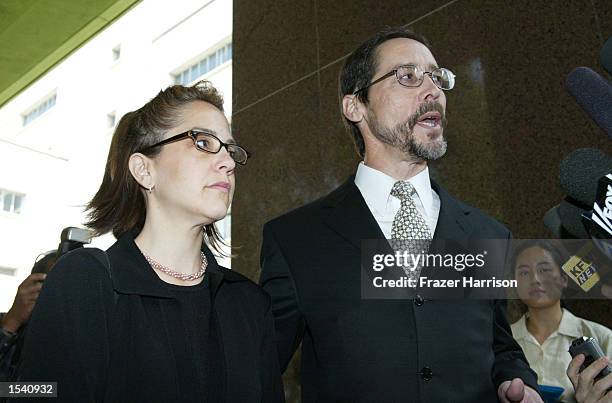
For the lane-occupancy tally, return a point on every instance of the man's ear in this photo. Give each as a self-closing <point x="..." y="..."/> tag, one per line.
<point x="141" y="167"/>
<point x="352" y="108"/>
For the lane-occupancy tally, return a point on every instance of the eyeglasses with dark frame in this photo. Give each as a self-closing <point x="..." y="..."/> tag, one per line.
<point x="411" y="75"/>
<point x="206" y="142"/>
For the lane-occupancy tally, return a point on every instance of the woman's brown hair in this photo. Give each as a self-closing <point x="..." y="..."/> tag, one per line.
<point x="119" y="205"/>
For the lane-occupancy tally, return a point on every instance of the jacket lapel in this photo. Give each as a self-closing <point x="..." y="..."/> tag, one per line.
<point x="350" y="217"/>
<point x="451" y="236"/>
<point x="453" y="219"/>
<point x="131" y="273"/>
<point x="348" y="214"/>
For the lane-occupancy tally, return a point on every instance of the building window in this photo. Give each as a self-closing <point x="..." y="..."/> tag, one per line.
<point x="116" y="53"/>
<point x="11" y="202"/>
<point x="204" y="65"/>
<point x="111" y="119"/>
<point x="39" y="109"/>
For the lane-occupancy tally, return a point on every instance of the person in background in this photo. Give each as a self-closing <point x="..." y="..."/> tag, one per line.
<point x="546" y="329"/>
<point x="13" y="323"/>
<point x="155" y="318"/>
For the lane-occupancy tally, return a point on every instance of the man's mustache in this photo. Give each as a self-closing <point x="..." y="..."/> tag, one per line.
<point x="424" y="108"/>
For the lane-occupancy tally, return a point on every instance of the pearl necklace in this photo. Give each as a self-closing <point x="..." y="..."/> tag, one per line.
<point x="176" y="274"/>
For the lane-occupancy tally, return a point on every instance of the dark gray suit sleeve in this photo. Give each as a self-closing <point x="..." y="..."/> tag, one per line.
<point x="276" y="280"/>
<point x="510" y="361"/>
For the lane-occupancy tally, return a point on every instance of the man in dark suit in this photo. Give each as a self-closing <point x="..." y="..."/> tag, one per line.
<point x="388" y="350"/>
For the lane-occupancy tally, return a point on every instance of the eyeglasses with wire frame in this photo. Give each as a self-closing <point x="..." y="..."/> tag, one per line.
<point x="411" y="75"/>
<point x="206" y="142"/>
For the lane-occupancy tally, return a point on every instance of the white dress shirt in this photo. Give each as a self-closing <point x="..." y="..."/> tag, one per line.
<point x="375" y="187"/>
<point x="550" y="359"/>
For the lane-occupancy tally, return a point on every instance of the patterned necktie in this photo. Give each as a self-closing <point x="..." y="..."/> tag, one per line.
<point x="409" y="233"/>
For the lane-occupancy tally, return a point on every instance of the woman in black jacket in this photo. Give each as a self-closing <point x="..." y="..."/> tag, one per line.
<point x="155" y="319"/>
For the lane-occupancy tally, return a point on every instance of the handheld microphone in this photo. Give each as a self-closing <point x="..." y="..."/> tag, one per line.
<point x="579" y="173"/>
<point x="599" y="221"/>
<point x="602" y="208"/>
<point x="581" y="270"/>
<point x="593" y="94"/>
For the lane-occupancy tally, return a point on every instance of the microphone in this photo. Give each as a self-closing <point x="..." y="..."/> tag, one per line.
<point x="585" y="265"/>
<point x="581" y="270"/>
<point x="571" y="219"/>
<point x="579" y="173"/>
<point x="593" y="94"/>
<point x="599" y="221"/>
<point x="605" y="56"/>
<point x="563" y="221"/>
<point x="602" y="208"/>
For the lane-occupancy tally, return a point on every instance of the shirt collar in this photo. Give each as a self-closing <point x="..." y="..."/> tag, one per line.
<point x="570" y="325"/>
<point x="519" y="328"/>
<point x="375" y="186"/>
<point x="131" y="273"/>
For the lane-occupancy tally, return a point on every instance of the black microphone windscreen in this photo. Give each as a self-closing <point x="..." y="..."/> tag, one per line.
<point x="593" y="94"/>
<point x="605" y="56"/>
<point x="571" y="220"/>
<point x="580" y="171"/>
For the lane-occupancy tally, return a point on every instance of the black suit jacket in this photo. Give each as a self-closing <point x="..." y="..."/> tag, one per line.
<point x="106" y="338"/>
<point x="360" y="350"/>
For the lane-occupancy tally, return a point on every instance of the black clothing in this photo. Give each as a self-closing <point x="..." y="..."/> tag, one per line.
<point x="383" y="350"/>
<point x="8" y="346"/>
<point x="121" y="338"/>
<point x="194" y="305"/>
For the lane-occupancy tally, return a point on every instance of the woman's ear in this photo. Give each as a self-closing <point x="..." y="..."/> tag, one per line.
<point x="141" y="167"/>
<point x="564" y="280"/>
<point x="351" y="108"/>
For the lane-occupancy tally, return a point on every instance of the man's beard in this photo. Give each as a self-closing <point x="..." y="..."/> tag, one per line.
<point x="402" y="135"/>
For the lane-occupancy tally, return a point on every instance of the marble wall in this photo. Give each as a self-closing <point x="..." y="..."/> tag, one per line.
<point x="510" y="119"/>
